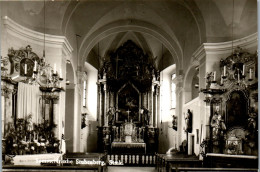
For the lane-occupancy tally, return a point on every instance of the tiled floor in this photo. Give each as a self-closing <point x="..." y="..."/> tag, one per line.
<point x="131" y="169"/>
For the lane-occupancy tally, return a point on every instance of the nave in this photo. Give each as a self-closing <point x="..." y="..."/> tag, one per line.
<point x="145" y="85"/>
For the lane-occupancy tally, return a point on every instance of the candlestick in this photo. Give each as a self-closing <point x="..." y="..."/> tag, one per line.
<point x="60" y="73"/>
<point x="35" y="66"/>
<point x="250" y="73"/>
<point x="244" y="67"/>
<point x="25" y="69"/>
<point x="224" y="74"/>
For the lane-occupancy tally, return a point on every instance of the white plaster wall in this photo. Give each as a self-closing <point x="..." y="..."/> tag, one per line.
<point x="194" y="107"/>
<point x="88" y="135"/>
<point x="167" y="136"/>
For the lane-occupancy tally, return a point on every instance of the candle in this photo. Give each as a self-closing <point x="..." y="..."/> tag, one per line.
<point x="54" y="71"/>
<point x="30" y="137"/>
<point x="244" y="66"/>
<point x="238" y="76"/>
<point x="35" y="66"/>
<point x="224" y="71"/>
<point x="221" y="80"/>
<point x="25" y="69"/>
<point x="250" y="73"/>
<point x="60" y="73"/>
<point x="214" y="76"/>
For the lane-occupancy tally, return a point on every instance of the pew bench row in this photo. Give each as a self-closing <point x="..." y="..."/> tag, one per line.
<point x="186" y="169"/>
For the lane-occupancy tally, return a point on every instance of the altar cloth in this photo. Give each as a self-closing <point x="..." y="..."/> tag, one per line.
<point x="128" y="146"/>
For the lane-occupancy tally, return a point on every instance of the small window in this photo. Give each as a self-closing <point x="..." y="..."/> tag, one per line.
<point x="84" y="93"/>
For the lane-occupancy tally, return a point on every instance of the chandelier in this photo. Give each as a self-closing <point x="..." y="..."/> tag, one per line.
<point x="237" y="70"/>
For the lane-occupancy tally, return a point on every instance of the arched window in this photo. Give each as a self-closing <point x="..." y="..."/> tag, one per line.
<point x="173" y="92"/>
<point x="195" y="85"/>
<point x="84" y="93"/>
<point x="84" y="97"/>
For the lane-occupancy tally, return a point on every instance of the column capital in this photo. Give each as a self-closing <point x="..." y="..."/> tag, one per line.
<point x="178" y="79"/>
<point x="79" y="75"/>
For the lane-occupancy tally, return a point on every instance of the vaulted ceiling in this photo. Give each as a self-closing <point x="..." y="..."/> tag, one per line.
<point x="165" y="29"/>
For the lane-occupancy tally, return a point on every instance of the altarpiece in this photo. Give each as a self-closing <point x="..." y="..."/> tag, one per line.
<point x="128" y="89"/>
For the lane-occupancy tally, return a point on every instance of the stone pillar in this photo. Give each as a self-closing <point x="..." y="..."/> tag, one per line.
<point x="179" y="104"/>
<point x="3" y="114"/>
<point x="156" y="106"/>
<point x="100" y="105"/>
<point x="105" y="105"/>
<point x="152" y="113"/>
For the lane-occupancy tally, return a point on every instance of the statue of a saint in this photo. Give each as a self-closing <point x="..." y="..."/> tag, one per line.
<point x="30" y="123"/>
<point x="218" y="125"/>
<point x="188" y="121"/>
<point x="145" y="116"/>
<point x="111" y="115"/>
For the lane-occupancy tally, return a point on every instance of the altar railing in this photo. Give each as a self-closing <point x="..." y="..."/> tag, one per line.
<point x="131" y="159"/>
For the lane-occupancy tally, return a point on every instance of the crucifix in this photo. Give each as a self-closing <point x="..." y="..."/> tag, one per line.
<point x="128" y="114"/>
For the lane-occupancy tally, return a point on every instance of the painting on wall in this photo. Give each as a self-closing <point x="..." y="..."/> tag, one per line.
<point x="237" y="110"/>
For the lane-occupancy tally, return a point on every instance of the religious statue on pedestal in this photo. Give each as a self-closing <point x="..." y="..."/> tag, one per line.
<point x="145" y="116"/>
<point x="218" y="128"/>
<point x="217" y="124"/>
<point x="30" y="123"/>
<point x="188" y="121"/>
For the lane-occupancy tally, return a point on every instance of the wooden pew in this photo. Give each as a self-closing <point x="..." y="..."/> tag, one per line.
<point x="186" y="169"/>
<point x="16" y="168"/>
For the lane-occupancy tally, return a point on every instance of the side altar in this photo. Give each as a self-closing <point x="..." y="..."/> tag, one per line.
<point x="30" y="101"/>
<point x="127" y="107"/>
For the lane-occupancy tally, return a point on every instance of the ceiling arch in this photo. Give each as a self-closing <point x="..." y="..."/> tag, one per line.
<point x="138" y="26"/>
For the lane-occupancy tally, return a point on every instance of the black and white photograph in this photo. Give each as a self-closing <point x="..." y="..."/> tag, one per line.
<point x="129" y="85"/>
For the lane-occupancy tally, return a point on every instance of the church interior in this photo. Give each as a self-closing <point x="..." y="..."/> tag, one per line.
<point x="113" y="85"/>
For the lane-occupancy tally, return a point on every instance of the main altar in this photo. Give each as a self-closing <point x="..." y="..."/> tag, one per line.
<point x="127" y="108"/>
